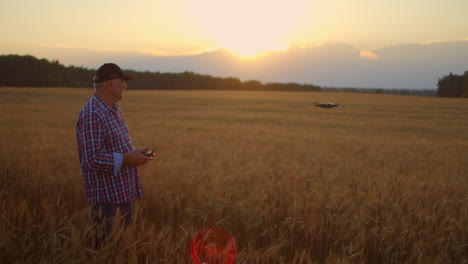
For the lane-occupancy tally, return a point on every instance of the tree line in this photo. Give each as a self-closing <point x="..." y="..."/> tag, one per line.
<point x="413" y="92"/>
<point x="26" y="70"/>
<point x="453" y="85"/>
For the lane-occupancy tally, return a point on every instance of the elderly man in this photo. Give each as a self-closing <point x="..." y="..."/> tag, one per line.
<point x="107" y="156"/>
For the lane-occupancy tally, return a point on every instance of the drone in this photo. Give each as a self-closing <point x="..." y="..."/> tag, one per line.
<point x="327" y="105"/>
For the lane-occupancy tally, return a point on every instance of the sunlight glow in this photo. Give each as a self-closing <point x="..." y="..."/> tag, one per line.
<point x="248" y="51"/>
<point x="367" y="54"/>
<point x="250" y="28"/>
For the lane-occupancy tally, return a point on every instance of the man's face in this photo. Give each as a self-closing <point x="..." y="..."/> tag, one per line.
<point x="118" y="86"/>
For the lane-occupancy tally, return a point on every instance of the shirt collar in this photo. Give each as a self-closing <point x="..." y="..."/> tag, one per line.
<point x="113" y="108"/>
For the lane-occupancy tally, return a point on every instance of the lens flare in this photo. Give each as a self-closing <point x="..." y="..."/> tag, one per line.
<point x="213" y="246"/>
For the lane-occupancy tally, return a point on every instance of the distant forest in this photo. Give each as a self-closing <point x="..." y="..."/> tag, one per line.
<point x="415" y="92"/>
<point x="26" y="70"/>
<point x="453" y="85"/>
<point x="16" y="70"/>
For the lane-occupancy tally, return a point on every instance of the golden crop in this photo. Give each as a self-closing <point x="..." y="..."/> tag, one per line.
<point x="382" y="179"/>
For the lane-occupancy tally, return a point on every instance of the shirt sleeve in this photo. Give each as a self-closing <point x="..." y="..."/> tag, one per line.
<point x="91" y="139"/>
<point x="118" y="160"/>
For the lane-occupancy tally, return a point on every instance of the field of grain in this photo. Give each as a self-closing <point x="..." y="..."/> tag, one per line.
<point x="383" y="179"/>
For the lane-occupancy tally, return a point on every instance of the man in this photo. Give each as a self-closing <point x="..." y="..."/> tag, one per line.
<point x="107" y="157"/>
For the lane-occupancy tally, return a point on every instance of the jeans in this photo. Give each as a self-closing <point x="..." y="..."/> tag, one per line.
<point x="104" y="216"/>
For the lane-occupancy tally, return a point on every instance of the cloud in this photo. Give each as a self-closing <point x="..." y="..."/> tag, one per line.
<point x="367" y="54"/>
<point x="427" y="42"/>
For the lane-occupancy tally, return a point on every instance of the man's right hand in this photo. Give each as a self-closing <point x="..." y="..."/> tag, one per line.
<point x="136" y="158"/>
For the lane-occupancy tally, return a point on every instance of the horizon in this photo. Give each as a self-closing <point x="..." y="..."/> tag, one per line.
<point x="325" y="88"/>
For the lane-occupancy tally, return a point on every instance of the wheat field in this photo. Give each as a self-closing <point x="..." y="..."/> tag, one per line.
<point x="382" y="179"/>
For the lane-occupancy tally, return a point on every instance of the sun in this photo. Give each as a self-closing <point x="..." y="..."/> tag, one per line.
<point x="247" y="50"/>
<point x="249" y="28"/>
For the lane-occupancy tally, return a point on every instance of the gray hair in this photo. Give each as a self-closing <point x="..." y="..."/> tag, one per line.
<point x="99" y="86"/>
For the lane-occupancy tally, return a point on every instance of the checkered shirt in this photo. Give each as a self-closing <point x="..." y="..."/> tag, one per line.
<point x="101" y="131"/>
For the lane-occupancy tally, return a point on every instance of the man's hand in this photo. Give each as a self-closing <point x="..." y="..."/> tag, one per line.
<point x="136" y="157"/>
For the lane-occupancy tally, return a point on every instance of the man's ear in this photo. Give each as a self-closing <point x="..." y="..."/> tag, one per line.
<point x="108" y="84"/>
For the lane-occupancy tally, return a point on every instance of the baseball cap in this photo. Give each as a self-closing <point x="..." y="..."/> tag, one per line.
<point x="110" y="71"/>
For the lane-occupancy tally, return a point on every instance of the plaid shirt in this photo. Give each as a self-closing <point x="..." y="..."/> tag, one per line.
<point x="101" y="131"/>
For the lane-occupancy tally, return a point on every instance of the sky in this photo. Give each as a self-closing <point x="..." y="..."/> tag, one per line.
<point x="73" y="31"/>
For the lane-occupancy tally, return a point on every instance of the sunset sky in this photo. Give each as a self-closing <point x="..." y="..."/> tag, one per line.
<point x="247" y="27"/>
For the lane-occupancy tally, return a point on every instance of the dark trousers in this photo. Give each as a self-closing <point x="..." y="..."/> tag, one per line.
<point x="104" y="216"/>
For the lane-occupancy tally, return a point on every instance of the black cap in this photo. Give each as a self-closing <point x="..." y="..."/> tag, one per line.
<point x="110" y="71"/>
